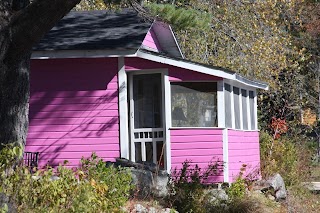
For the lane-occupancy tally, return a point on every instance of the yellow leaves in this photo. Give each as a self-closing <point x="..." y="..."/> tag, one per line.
<point x="93" y="182"/>
<point x="248" y="38"/>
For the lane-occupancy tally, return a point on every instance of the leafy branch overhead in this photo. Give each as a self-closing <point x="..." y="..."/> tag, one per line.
<point x="250" y="38"/>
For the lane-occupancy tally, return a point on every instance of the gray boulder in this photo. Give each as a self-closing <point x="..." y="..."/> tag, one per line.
<point x="216" y="195"/>
<point x="160" y="187"/>
<point x="277" y="184"/>
<point x="143" y="180"/>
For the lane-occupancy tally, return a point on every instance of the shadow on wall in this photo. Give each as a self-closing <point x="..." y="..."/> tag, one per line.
<point x="73" y="110"/>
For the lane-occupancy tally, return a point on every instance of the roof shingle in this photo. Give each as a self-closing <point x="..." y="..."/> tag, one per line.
<point x="96" y="30"/>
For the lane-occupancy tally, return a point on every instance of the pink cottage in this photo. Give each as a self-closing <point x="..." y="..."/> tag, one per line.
<point x="117" y="85"/>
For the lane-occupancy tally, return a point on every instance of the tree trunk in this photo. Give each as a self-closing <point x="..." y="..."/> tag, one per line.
<point x="14" y="101"/>
<point x="22" y="25"/>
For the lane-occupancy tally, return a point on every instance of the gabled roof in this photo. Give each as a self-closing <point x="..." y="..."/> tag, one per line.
<point x="96" y="30"/>
<point x="123" y="31"/>
<point x="102" y="34"/>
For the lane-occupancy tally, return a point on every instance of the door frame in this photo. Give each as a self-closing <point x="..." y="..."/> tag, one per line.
<point x="166" y="112"/>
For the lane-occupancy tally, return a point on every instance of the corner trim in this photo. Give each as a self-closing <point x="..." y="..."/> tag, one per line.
<point x="225" y="156"/>
<point x="123" y="109"/>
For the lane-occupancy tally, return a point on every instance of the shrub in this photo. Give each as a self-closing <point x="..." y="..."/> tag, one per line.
<point x="91" y="188"/>
<point x="291" y="157"/>
<point x="187" y="186"/>
<point x="237" y="189"/>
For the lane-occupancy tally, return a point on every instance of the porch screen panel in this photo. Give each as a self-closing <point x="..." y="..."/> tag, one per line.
<point x="147" y="97"/>
<point x="227" y="105"/>
<point x="244" y="109"/>
<point x="252" y="112"/>
<point x="236" y="94"/>
<point x="194" y="104"/>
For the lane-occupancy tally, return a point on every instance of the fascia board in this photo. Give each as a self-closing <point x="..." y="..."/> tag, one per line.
<point x="51" y="54"/>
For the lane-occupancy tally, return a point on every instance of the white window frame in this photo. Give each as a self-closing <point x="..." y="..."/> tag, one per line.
<point x="166" y="112"/>
<point x="243" y="87"/>
<point x="220" y="103"/>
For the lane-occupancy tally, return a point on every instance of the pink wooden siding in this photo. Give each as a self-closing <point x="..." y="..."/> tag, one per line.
<point x="243" y="149"/>
<point x="73" y="110"/>
<point x="175" y="73"/>
<point x="151" y="41"/>
<point x="201" y="146"/>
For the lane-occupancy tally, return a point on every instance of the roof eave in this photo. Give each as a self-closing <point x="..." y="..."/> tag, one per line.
<point x="55" y="54"/>
<point x="202" y="69"/>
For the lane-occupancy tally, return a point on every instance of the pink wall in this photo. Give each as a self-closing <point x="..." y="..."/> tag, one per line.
<point x="175" y="73"/>
<point x="151" y="41"/>
<point x="73" y="110"/>
<point x="243" y="149"/>
<point x="201" y="146"/>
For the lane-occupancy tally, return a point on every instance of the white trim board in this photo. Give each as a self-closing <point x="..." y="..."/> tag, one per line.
<point x="51" y="54"/>
<point x="225" y="156"/>
<point x="123" y="109"/>
<point x="167" y="112"/>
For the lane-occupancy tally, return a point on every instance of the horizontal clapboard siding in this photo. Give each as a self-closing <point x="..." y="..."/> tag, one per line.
<point x="200" y="146"/>
<point x="243" y="149"/>
<point x="176" y="74"/>
<point x="73" y="110"/>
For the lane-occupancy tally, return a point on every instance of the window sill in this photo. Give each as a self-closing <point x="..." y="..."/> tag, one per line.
<point x="173" y="128"/>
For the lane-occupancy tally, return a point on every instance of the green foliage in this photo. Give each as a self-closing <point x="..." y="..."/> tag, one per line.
<point x="187" y="186"/>
<point x="246" y="37"/>
<point x="237" y="189"/>
<point x="91" y="188"/>
<point x="291" y="157"/>
<point x="181" y="18"/>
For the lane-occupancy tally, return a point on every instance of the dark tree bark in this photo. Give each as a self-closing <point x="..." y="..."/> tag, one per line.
<point x="22" y="25"/>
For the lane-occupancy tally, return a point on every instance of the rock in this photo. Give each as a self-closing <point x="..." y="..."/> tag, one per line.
<point x="143" y="180"/>
<point x="152" y="210"/>
<point x="146" y="176"/>
<point x="277" y="183"/>
<point x="271" y="197"/>
<point x="216" y="195"/>
<point x="160" y="188"/>
<point x="53" y="178"/>
<point x="138" y="208"/>
<point x="168" y="210"/>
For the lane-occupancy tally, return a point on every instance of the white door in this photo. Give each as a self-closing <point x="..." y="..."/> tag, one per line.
<point x="147" y="132"/>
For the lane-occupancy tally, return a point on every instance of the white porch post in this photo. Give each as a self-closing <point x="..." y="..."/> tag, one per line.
<point x="123" y="109"/>
<point x="225" y="155"/>
<point x="222" y="124"/>
<point x="167" y="111"/>
<point x="220" y="104"/>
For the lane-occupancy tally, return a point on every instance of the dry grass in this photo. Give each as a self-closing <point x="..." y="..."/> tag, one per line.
<point x="301" y="200"/>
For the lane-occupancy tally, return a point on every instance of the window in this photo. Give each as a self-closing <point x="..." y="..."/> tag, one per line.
<point x="240" y="112"/>
<point x="244" y="109"/>
<point x="227" y="106"/>
<point x="236" y="101"/>
<point x="194" y="104"/>
<point x="252" y="111"/>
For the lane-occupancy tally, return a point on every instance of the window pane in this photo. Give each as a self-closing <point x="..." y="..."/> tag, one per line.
<point x="227" y="105"/>
<point x="138" y="151"/>
<point x="147" y="98"/>
<point x="252" y="114"/>
<point x="244" y="109"/>
<point x="194" y="104"/>
<point x="149" y="152"/>
<point x="160" y="154"/>
<point x="236" y="93"/>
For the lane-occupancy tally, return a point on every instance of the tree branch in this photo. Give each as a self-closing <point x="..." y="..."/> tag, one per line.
<point x="30" y="24"/>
